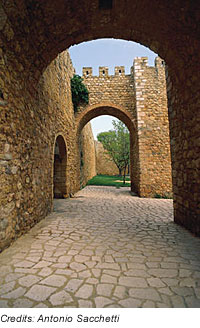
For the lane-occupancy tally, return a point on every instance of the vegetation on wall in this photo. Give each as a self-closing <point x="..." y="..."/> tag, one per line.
<point x="80" y="94"/>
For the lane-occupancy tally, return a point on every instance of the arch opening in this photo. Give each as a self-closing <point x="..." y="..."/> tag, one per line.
<point x="98" y="110"/>
<point x="60" y="168"/>
<point x="112" y="146"/>
<point x="93" y="111"/>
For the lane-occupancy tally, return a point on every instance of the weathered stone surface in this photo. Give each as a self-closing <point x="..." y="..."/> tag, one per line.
<point x="163" y="273"/>
<point x="123" y="231"/>
<point x="22" y="303"/>
<point x="60" y="298"/>
<point x="155" y="282"/>
<point x="64" y="259"/>
<point x="81" y="258"/>
<point x="114" y="273"/>
<point x="13" y="276"/>
<point x="101" y="301"/>
<point x="130" y="303"/>
<point x="73" y="285"/>
<point x="132" y="282"/>
<point x="88" y="152"/>
<point x="84" y="291"/>
<point x="24" y="264"/>
<point x="41" y="264"/>
<point x="108" y="279"/>
<point x="104" y="289"/>
<point x="183" y="291"/>
<point x="45" y="272"/>
<point x="29" y="280"/>
<point x="149" y="304"/>
<point x="145" y="293"/>
<point x="104" y="163"/>
<point x="96" y="272"/>
<point x="77" y="266"/>
<point x="120" y="292"/>
<point x="3" y="17"/>
<point x="41" y="305"/>
<point x="178" y="302"/>
<point x="39" y="292"/>
<point x="137" y="273"/>
<point x="84" y="274"/>
<point x="16" y="293"/>
<point x="187" y="282"/>
<point x="192" y="302"/>
<point x="7" y="287"/>
<point x="3" y="304"/>
<point x="92" y="281"/>
<point x="85" y="304"/>
<point x="54" y="280"/>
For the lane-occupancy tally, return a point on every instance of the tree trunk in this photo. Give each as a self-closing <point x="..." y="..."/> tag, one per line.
<point x="120" y="171"/>
<point x="124" y="177"/>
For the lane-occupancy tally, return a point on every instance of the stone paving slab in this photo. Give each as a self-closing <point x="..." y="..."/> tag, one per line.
<point x="103" y="248"/>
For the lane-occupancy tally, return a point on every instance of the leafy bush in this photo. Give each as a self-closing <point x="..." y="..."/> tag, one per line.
<point x="80" y="93"/>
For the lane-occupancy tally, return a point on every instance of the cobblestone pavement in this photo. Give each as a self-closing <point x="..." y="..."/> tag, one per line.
<point x="103" y="248"/>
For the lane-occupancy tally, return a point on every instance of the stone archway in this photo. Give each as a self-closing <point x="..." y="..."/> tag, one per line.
<point x="60" y="168"/>
<point x="89" y="112"/>
<point x="64" y="23"/>
<point x="92" y="111"/>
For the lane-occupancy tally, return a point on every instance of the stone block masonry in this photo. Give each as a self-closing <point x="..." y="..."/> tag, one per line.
<point x="152" y="128"/>
<point x="87" y="154"/>
<point x="104" y="163"/>
<point x="142" y="95"/>
<point x="30" y="122"/>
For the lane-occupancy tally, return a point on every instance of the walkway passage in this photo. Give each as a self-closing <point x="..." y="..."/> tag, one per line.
<point x="103" y="248"/>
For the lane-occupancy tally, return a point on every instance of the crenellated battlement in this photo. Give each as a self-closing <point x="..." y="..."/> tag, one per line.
<point x="87" y="71"/>
<point x="139" y="64"/>
<point x="103" y="71"/>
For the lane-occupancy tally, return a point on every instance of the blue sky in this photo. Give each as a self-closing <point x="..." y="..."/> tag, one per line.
<point x="110" y="53"/>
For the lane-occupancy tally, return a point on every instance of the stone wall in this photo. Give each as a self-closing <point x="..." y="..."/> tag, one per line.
<point x="116" y="89"/>
<point x="104" y="164"/>
<point x="30" y="122"/>
<point x="153" y="128"/>
<point x="112" y="95"/>
<point x="141" y="94"/>
<point x="184" y="114"/>
<point x="88" y="155"/>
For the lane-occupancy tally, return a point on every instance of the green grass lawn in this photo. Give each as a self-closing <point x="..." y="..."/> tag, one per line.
<point x="107" y="180"/>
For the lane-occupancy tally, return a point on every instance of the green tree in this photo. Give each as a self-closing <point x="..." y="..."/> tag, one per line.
<point x="80" y="93"/>
<point x="117" y="144"/>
